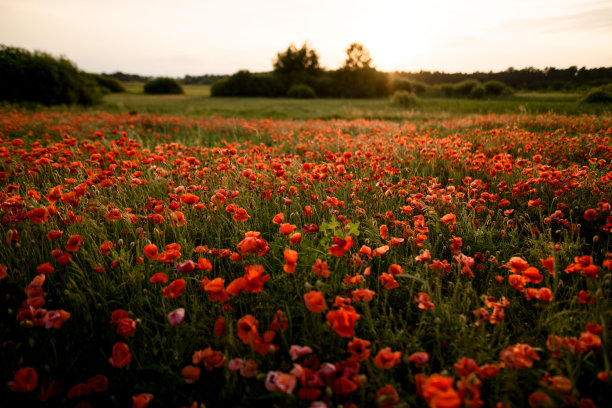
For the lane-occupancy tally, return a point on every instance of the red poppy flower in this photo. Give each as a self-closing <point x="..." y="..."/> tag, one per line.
<point x="121" y="355"/>
<point x="25" y="380"/>
<point x="74" y="242"/>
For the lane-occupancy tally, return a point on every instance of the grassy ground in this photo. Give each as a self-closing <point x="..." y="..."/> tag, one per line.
<point x="197" y="103"/>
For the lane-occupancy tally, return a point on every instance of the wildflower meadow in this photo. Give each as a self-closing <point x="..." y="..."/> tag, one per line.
<point x="150" y="260"/>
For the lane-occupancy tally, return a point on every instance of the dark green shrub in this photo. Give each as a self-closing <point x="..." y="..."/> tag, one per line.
<point x="419" y="88"/>
<point x="496" y="88"/>
<point x="245" y="83"/>
<point x="404" y="99"/>
<point x="163" y="86"/>
<point x="464" y="88"/>
<point x="478" y="92"/>
<point x="402" y="84"/>
<point x="301" y="91"/>
<point x="107" y="84"/>
<point x="601" y="94"/>
<point x="447" y="89"/>
<point x="40" y="78"/>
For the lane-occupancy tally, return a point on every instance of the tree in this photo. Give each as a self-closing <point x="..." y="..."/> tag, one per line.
<point x="297" y="66"/>
<point x="295" y="60"/>
<point x="357" y="57"/>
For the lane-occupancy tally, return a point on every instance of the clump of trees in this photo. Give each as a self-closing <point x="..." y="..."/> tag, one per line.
<point x="38" y="77"/>
<point x="163" y="86"/>
<point x="298" y="73"/>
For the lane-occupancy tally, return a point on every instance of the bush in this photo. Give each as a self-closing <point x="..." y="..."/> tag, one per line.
<point x="601" y="94"/>
<point x="447" y="89"/>
<point x="40" y="78"/>
<point x="404" y="99"/>
<point x="107" y="84"/>
<point x="301" y="91"/>
<point x="464" y="88"/>
<point x="496" y="88"/>
<point x="163" y="86"/>
<point x="245" y="83"/>
<point x="478" y="92"/>
<point x="402" y="84"/>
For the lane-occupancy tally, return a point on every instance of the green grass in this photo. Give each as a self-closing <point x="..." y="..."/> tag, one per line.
<point x="197" y="103"/>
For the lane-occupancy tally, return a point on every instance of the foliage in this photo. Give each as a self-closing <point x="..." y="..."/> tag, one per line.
<point x="464" y="88"/>
<point x="163" y="86"/>
<point x="245" y="83"/>
<point x="478" y="92"/>
<point x="600" y="94"/>
<point x="301" y="91"/>
<point x="405" y="99"/>
<point x="295" y="66"/>
<point x="496" y="88"/>
<point x="107" y="84"/>
<point x="40" y="78"/>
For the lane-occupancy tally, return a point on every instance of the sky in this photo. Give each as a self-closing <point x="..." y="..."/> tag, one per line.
<point x="197" y="37"/>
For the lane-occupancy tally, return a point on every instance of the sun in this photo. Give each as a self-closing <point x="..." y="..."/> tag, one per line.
<point x="396" y="36"/>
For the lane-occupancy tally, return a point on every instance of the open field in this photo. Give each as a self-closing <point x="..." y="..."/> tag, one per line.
<point x="197" y="103"/>
<point x="442" y="258"/>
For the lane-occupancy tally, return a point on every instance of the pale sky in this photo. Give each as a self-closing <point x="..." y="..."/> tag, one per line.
<point x="178" y="37"/>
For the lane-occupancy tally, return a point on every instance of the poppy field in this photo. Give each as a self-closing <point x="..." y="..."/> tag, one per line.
<point x="150" y="260"/>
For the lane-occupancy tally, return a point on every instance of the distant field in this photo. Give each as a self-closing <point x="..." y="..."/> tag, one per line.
<point x="197" y="103"/>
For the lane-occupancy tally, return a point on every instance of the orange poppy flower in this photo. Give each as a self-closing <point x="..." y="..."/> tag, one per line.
<point x="384" y="232"/>
<point x="278" y="218"/>
<point x="240" y="215"/>
<point x="315" y="302"/>
<point x="204" y="264"/>
<point x="388" y="281"/>
<point x="255" y="278"/>
<point x="449" y="219"/>
<point x="141" y="400"/>
<point x="215" y="290"/>
<point x="380" y="251"/>
<point x="395" y="269"/>
<point x="150" y="251"/>
<point x="295" y="238"/>
<point x="438" y="391"/>
<point x="191" y="374"/>
<point x="3" y="273"/>
<point x="188" y="198"/>
<point x="106" y="247"/>
<point x="320" y="268"/>
<point x="286" y="228"/>
<point x="343" y="320"/>
<point x="54" y="194"/>
<point x="113" y="215"/>
<point x="519" y="356"/>
<point x="340" y="246"/>
<point x="387" y="359"/>
<point x="236" y="286"/>
<point x="45" y="268"/>
<point x="246" y="329"/>
<point x="291" y="258"/>
<point x="175" y="289"/>
<point x="159" y="277"/>
<point x="424" y="301"/>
